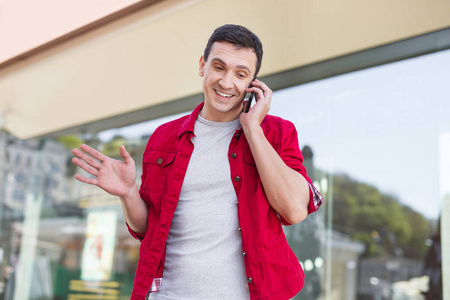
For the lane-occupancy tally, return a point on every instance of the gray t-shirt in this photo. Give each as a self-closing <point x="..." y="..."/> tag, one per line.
<point x="204" y="248"/>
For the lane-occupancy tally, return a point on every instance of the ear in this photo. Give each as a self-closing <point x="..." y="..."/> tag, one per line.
<point x="201" y="66"/>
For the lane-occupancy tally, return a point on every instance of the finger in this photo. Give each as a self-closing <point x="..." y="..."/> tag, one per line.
<point x="260" y="84"/>
<point x="94" y="153"/>
<point x="88" y="159"/>
<point x="125" y="155"/>
<point x="86" y="179"/>
<point x="263" y="86"/>
<point x="85" y="166"/>
<point x="267" y="91"/>
<point x="259" y="93"/>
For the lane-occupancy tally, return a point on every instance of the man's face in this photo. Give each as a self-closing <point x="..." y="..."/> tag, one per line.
<point x="226" y="76"/>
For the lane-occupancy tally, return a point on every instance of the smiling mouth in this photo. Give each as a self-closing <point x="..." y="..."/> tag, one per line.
<point x="223" y="94"/>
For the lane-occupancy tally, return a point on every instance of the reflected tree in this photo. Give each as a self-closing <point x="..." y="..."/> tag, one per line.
<point x="378" y="219"/>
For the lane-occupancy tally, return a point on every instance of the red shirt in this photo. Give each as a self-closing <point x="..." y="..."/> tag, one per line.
<point x="272" y="269"/>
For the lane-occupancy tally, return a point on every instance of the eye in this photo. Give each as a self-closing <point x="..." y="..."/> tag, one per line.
<point x="219" y="68"/>
<point x="242" y="75"/>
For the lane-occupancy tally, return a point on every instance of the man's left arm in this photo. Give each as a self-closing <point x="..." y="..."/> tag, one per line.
<point x="287" y="190"/>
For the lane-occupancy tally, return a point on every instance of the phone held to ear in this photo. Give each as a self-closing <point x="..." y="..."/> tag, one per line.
<point x="249" y="97"/>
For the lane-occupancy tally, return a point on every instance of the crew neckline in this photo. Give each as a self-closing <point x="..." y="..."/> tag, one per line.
<point x="216" y="123"/>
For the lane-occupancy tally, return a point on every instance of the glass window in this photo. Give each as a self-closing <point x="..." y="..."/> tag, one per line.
<point x="21" y="178"/>
<point x="18" y="194"/>
<point x="373" y="142"/>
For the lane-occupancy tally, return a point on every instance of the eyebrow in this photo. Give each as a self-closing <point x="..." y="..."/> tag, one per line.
<point x="238" y="66"/>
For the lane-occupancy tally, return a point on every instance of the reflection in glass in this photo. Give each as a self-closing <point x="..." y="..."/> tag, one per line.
<point x="43" y="236"/>
<point x="375" y="137"/>
<point x="98" y="249"/>
<point x="373" y="143"/>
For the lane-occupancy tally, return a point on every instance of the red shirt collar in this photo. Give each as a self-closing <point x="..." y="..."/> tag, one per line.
<point x="189" y="122"/>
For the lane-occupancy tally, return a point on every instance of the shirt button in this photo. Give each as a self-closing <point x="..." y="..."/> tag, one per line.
<point x="244" y="254"/>
<point x="159" y="161"/>
<point x="233" y="155"/>
<point x="237" y="178"/>
<point x="249" y="280"/>
<point x="239" y="228"/>
<point x="238" y="135"/>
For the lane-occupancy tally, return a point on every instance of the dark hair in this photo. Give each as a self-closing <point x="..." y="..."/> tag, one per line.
<point x="240" y="37"/>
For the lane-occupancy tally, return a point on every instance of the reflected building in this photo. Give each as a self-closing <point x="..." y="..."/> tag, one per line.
<point x="44" y="213"/>
<point x="380" y="276"/>
<point x="33" y="174"/>
<point x="32" y="165"/>
<point x="345" y="261"/>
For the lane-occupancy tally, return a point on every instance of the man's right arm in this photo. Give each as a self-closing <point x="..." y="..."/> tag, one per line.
<point x="117" y="178"/>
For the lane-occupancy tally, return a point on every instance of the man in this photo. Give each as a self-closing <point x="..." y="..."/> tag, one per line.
<point x="216" y="187"/>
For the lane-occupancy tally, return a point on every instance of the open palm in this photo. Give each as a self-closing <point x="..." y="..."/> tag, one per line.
<point x="114" y="176"/>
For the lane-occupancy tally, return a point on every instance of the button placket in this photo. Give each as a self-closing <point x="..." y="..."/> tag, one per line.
<point x="234" y="165"/>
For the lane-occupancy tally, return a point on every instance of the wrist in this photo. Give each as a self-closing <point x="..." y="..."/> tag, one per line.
<point x="131" y="195"/>
<point x="252" y="130"/>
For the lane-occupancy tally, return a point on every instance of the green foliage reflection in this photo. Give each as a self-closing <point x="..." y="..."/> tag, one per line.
<point x="378" y="219"/>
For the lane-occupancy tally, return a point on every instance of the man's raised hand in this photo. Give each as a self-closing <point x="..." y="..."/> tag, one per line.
<point x="114" y="176"/>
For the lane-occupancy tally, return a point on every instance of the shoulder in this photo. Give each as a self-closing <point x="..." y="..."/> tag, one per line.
<point x="276" y="125"/>
<point x="166" y="135"/>
<point x="171" y="126"/>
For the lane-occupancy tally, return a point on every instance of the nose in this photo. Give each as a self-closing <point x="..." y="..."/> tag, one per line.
<point x="226" y="82"/>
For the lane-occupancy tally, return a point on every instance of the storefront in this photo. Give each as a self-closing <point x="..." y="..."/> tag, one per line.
<point x="373" y="124"/>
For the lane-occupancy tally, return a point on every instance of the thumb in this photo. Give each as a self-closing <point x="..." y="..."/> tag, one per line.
<point x="125" y="155"/>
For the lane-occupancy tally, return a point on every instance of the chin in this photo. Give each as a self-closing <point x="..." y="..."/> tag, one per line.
<point x="227" y="106"/>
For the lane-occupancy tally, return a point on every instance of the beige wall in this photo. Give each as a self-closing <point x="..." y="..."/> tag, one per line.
<point x="28" y="24"/>
<point x="152" y="56"/>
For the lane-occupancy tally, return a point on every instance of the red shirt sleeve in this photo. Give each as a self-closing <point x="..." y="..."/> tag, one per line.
<point x="293" y="158"/>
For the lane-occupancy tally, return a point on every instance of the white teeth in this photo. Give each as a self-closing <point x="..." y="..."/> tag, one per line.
<point x="223" y="95"/>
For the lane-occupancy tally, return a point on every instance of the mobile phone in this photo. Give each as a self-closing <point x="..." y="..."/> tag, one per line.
<point x="249" y="97"/>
